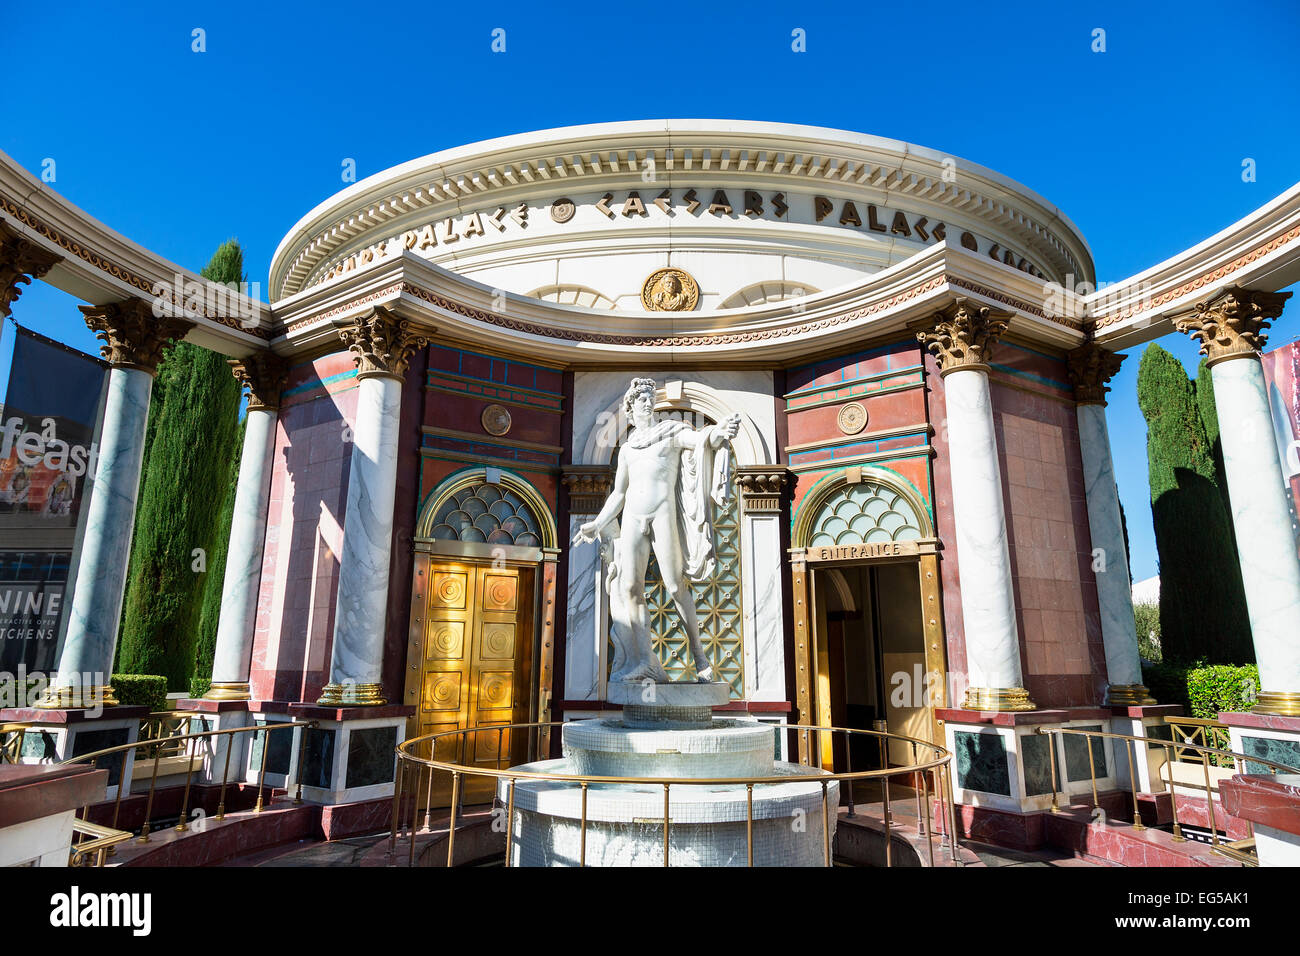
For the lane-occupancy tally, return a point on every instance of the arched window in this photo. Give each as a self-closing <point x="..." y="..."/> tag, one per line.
<point x="472" y="509"/>
<point x="573" y="295"/>
<point x="717" y="603"/>
<point x="760" y="293"/>
<point x="865" y="513"/>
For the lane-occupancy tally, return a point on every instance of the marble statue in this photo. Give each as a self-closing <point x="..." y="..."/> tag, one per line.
<point x="670" y="477"/>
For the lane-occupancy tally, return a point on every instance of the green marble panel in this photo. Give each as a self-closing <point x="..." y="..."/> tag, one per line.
<point x="318" y="757"/>
<point x="279" y="753"/>
<point x="88" y="742"/>
<point x="982" y="762"/>
<point x="1076" y="755"/>
<point x="372" y="756"/>
<point x="1036" y="761"/>
<point x="1280" y="751"/>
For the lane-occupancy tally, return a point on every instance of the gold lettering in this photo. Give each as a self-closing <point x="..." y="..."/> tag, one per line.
<point x="872" y="222"/>
<point x="899" y="226"/>
<point x="753" y="203"/>
<point x="603" y="205"/>
<point x="849" y="215"/>
<point x="634" y="206"/>
<point x="721" y="205"/>
<point x="692" y="203"/>
<point x="823" y="207"/>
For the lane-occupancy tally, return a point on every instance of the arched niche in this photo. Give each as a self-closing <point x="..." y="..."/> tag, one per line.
<point x="612" y="423"/>
<point x="882" y="506"/>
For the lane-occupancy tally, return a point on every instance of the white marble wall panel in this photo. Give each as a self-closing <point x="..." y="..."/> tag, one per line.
<point x="361" y="609"/>
<point x="987" y="599"/>
<point x="240" y="589"/>
<point x="1114" y="591"/>
<point x="760" y="559"/>
<point x="96" y="608"/>
<point x="1270" y="568"/>
<point x="588" y="621"/>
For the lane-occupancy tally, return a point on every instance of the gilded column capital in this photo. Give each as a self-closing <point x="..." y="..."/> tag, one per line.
<point x="21" y="261"/>
<point x="763" y="487"/>
<point x="262" y="375"/>
<point x="133" y="336"/>
<point x="1232" y="323"/>
<point x="383" y="342"/>
<point x="589" y="486"/>
<point x="962" y="335"/>
<point x="1090" y="367"/>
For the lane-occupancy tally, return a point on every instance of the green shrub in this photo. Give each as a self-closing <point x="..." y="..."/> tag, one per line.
<point x="1146" y="617"/>
<point x="1222" y="687"/>
<point x="147" y="689"/>
<point x="1167" y="682"/>
<point x="199" y="686"/>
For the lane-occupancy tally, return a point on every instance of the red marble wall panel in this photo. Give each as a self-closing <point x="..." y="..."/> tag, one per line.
<point x="1282" y="373"/>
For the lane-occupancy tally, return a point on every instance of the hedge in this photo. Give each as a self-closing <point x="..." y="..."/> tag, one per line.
<point x="1203" y="690"/>
<point x="147" y="689"/>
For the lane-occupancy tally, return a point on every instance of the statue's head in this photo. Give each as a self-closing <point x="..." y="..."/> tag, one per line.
<point x="672" y="285"/>
<point x="639" y="400"/>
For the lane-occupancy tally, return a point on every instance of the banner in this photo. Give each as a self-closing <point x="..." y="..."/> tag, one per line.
<point x="48" y="453"/>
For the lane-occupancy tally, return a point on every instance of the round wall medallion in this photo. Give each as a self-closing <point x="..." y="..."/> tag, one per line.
<point x="562" y="210"/>
<point x="496" y="420"/>
<point x="670" y="290"/>
<point x="852" y="418"/>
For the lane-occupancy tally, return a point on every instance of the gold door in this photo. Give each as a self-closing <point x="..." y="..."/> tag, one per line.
<point x="472" y="634"/>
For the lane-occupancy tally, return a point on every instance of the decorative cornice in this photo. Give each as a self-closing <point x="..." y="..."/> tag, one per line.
<point x="589" y="486"/>
<point x="262" y="375"/>
<point x="89" y="256"/>
<point x="962" y="335"/>
<point x="1090" y="367"/>
<point x="133" y="336"/>
<point x="383" y="342"/>
<point x="1231" y="324"/>
<point x="21" y="261"/>
<point x="763" y="487"/>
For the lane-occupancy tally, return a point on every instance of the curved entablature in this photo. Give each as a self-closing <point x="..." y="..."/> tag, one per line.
<point x="100" y="266"/>
<point x="1261" y="250"/>
<point x="826" y="204"/>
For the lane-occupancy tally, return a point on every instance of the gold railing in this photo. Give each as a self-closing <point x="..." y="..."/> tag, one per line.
<point x="1237" y="760"/>
<point x="931" y="776"/>
<point x="11" y="741"/>
<point x="1199" y="731"/>
<point x="164" y="749"/>
<point x="168" y="726"/>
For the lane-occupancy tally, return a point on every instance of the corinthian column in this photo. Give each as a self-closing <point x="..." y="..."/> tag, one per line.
<point x="133" y="343"/>
<point x="383" y="344"/>
<point x="21" y="261"/>
<point x="1230" y="328"/>
<point x="961" y="337"/>
<point x="262" y="374"/>
<point x="1090" y="368"/>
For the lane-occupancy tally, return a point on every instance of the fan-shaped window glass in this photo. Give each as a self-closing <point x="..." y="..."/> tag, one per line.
<point x="717" y="603"/>
<point x="863" y="514"/>
<point x="761" y="293"/>
<point x="573" y="295"/>
<point x="490" y="514"/>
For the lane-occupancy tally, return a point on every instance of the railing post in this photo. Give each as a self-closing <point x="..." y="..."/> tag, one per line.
<point x="749" y="825"/>
<point x="510" y="819"/>
<point x="920" y="813"/>
<point x="1209" y="799"/>
<point x="1173" y="796"/>
<point x="153" y="782"/>
<point x="929" y="830"/>
<point x="1133" y="783"/>
<point x="451" y="823"/>
<point x="1092" y="768"/>
<point x="261" y="772"/>
<point x="826" y="822"/>
<point x="182" y="825"/>
<point x="398" y="783"/>
<point x="1051" y="753"/>
<point x="666" y="824"/>
<point x="582" y="833"/>
<point x="225" y="775"/>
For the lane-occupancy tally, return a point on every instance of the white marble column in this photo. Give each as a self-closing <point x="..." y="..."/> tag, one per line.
<point x="383" y="345"/>
<point x="763" y="490"/>
<point x="1090" y="367"/>
<point x="961" y="337"/>
<point x="586" y="661"/>
<point x="263" y="375"/>
<point x="135" y="339"/>
<point x="1229" y="327"/>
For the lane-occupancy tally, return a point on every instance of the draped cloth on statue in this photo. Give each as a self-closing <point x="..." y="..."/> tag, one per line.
<point x="703" y="480"/>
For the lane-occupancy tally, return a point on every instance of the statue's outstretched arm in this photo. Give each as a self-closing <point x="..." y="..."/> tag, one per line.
<point x="590" y="530"/>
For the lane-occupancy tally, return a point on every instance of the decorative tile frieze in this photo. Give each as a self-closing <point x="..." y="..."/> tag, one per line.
<point x="383" y="342"/>
<point x="133" y="336"/>
<point x="262" y="375"/>
<point x="1232" y="323"/>
<point x="1090" y="367"/>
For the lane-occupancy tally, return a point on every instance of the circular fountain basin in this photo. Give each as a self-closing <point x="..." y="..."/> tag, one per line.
<point x="608" y="747"/>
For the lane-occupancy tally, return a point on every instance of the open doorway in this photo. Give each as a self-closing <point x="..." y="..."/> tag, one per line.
<point x="871" y="664"/>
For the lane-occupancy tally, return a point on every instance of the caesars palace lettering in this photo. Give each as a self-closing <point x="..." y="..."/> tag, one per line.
<point x="867" y="217"/>
<point x="856" y="552"/>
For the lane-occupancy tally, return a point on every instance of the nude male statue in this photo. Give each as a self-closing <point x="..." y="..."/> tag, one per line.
<point x="669" y="478"/>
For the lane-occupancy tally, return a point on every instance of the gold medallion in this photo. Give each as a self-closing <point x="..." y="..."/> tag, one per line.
<point x="669" y="290"/>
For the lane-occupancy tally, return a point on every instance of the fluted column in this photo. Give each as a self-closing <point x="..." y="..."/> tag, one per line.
<point x="1090" y="368"/>
<point x="383" y="344"/>
<point x="1230" y="328"/>
<point x="263" y="375"/>
<point x="133" y="343"/>
<point x="961" y="337"/>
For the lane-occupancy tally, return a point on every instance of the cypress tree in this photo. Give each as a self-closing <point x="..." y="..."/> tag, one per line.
<point x="1202" y="609"/>
<point x="181" y="495"/>
<point x="1210" y="418"/>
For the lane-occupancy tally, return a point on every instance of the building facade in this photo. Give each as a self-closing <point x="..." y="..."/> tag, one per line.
<point x="924" y="529"/>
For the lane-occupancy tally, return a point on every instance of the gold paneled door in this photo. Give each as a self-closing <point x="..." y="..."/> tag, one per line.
<point x="472" y="636"/>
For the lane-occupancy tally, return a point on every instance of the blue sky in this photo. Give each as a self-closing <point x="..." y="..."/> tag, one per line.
<point x="1141" y="145"/>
